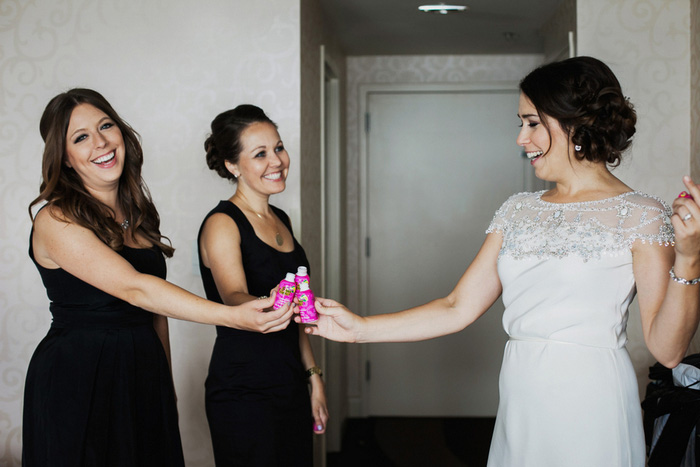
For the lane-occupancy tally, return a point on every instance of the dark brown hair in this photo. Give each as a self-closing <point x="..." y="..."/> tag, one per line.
<point x="224" y="142"/>
<point x="62" y="187"/>
<point x="584" y="96"/>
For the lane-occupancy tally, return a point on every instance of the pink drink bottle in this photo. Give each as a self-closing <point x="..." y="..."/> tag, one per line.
<point x="285" y="293"/>
<point x="307" y="308"/>
<point x="302" y="276"/>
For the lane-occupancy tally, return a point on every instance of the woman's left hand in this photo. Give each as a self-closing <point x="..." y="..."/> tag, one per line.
<point x="686" y="222"/>
<point x="319" y="407"/>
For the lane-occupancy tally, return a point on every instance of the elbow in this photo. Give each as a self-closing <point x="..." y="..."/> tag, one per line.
<point x="671" y="363"/>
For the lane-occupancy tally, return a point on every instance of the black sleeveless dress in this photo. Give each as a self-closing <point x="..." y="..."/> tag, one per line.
<point x="257" y="400"/>
<point x="99" y="390"/>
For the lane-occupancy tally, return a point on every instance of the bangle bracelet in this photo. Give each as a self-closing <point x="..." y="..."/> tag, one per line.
<point x="680" y="280"/>
<point x="314" y="370"/>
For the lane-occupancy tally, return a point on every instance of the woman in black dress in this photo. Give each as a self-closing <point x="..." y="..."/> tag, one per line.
<point x="257" y="400"/>
<point x="99" y="390"/>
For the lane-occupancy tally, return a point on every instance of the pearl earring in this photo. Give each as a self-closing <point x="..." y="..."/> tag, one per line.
<point x="577" y="148"/>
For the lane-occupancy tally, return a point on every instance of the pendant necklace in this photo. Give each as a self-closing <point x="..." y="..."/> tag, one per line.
<point x="278" y="237"/>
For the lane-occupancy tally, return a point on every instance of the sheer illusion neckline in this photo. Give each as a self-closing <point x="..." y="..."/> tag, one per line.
<point x="585" y="203"/>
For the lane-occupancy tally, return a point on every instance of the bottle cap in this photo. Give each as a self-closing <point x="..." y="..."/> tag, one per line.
<point x="301" y="271"/>
<point x="289" y="277"/>
<point x="303" y="287"/>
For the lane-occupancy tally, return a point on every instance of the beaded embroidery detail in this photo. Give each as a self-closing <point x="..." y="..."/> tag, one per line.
<point x="532" y="227"/>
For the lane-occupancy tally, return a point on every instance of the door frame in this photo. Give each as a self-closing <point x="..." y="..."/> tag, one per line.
<point x="365" y="91"/>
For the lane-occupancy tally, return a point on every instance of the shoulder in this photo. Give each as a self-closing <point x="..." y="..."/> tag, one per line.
<point x="518" y="199"/>
<point x="49" y="219"/>
<point x="510" y="206"/>
<point x="218" y="222"/>
<point x="646" y="201"/>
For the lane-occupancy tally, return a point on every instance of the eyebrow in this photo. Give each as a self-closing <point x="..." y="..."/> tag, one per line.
<point x="528" y="116"/>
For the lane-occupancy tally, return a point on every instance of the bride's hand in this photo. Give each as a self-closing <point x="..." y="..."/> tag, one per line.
<point x="686" y="222"/>
<point x="335" y="322"/>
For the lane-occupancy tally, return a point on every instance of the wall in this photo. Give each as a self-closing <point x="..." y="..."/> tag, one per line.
<point x="695" y="89"/>
<point x="648" y="46"/>
<point x="315" y="34"/>
<point x="168" y="67"/>
<point x="395" y="70"/>
<point x="555" y="31"/>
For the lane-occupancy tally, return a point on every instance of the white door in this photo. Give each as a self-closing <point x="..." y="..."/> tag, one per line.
<point x="438" y="165"/>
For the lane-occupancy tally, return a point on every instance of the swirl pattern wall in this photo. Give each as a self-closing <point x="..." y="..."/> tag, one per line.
<point x="168" y="67"/>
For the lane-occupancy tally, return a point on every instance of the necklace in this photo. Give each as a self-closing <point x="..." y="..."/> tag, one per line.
<point x="278" y="237"/>
<point x="125" y="224"/>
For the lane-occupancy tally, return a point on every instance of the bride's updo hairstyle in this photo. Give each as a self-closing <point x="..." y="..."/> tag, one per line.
<point x="224" y="142"/>
<point x="585" y="97"/>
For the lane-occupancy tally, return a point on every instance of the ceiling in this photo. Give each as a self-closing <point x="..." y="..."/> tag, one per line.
<point x="397" y="27"/>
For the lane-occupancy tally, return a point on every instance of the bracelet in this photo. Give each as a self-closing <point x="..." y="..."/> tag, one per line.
<point x="680" y="280"/>
<point x="314" y="370"/>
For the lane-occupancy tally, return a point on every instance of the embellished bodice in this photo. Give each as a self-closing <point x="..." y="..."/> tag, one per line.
<point x="589" y="230"/>
<point x="566" y="269"/>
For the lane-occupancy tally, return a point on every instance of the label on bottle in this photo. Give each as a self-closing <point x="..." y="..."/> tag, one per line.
<point x="285" y="294"/>
<point x="307" y="309"/>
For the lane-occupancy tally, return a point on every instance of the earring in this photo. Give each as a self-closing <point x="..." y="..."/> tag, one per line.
<point x="577" y="148"/>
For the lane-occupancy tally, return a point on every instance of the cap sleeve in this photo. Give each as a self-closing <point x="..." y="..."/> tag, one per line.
<point x="499" y="223"/>
<point x="651" y="222"/>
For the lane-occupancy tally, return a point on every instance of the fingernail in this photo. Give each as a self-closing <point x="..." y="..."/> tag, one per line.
<point x="684" y="194"/>
<point x="318" y="427"/>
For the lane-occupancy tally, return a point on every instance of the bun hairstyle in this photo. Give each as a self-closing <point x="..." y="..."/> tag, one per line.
<point x="224" y="142"/>
<point x="585" y="97"/>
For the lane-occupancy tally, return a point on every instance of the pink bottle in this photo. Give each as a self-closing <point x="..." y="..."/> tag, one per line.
<point x="307" y="308"/>
<point x="302" y="276"/>
<point x="285" y="293"/>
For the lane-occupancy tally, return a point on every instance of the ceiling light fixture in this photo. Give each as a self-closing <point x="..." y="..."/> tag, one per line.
<point x="442" y="8"/>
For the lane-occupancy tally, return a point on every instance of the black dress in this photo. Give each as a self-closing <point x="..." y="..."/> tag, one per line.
<point x="257" y="400"/>
<point x="99" y="390"/>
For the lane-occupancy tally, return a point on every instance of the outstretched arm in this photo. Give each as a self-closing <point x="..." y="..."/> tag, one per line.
<point x="475" y="292"/>
<point x="79" y="252"/>
<point x="671" y="310"/>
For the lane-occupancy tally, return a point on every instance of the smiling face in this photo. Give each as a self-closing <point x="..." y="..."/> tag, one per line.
<point x="548" y="151"/>
<point x="263" y="163"/>
<point x="94" y="148"/>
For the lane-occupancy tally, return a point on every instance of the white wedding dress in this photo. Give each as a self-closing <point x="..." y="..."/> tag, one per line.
<point x="568" y="391"/>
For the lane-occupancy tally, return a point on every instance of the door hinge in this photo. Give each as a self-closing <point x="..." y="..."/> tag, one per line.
<point x="366" y="122"/>
<point x="367" y="370"/>
<point x="367" y="247"/>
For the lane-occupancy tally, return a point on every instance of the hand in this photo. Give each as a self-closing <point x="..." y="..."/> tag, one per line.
<point x="335" y="322"/>
<point x="319" y="407"/>
<point x="252" y="315"/>
<point x="686" y="223"/>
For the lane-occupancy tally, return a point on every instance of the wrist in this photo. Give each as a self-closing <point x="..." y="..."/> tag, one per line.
<point x="687" y="267"/>
<point x="684" y="280"/>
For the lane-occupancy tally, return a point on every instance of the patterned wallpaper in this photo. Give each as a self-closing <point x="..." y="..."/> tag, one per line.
<point x="168" y="67"/>
<point x="648" y="46"/>
<point x="695" y="89"/>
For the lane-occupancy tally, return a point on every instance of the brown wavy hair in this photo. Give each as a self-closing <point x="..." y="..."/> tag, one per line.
<point x="62" y="187"/>
<point x="585" y="97"/>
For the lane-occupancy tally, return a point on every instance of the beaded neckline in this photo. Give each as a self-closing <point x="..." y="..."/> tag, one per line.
<point x="592" y="202"/>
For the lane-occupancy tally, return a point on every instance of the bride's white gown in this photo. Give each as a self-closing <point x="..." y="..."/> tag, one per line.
<point x="568" y="391"/>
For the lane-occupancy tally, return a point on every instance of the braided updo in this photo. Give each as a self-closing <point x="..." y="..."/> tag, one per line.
<point x="224" y="142"/>
<point x="585" y="97"/>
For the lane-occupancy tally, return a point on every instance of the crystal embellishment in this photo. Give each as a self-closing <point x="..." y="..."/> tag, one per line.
<point x="535" y="228"/>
